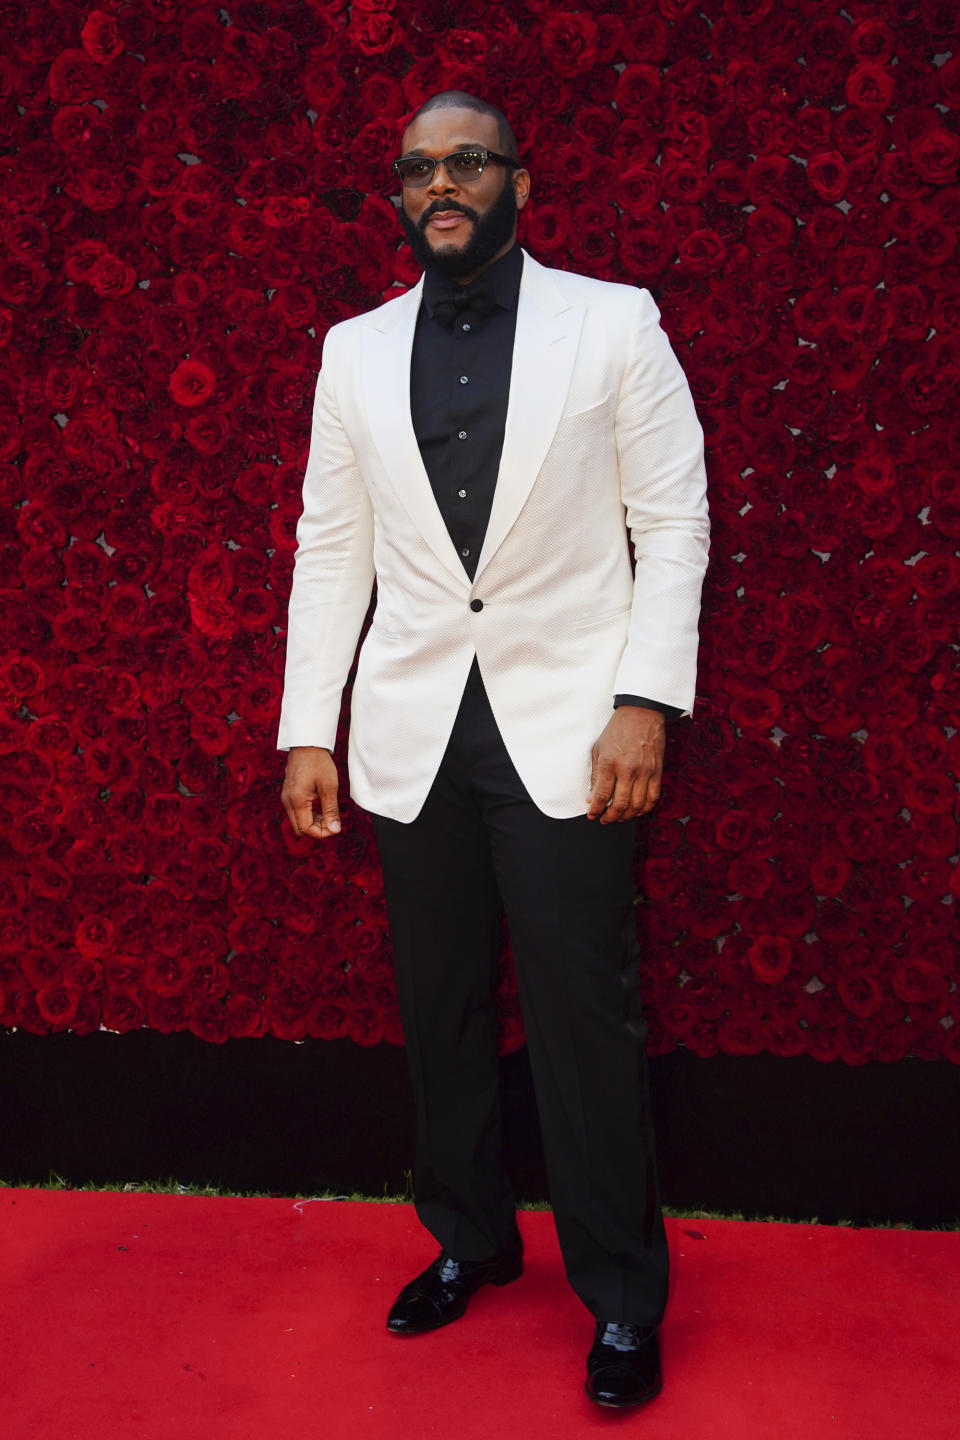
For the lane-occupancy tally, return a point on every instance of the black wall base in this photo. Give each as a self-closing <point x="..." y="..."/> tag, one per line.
<point x="761" y="1134"/>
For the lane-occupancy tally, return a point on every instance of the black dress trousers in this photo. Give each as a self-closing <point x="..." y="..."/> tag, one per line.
<point x="479" y="848"/>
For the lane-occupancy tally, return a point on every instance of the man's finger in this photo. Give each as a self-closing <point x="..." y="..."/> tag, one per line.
<point x="618" y="807"/>
<point x="653" y="793"/>
<point x="639" y="795"/>
<point x="327" y="785"/>
<point x="303" y="819"/>
<point x="329" y="814"/>
<point x="602" y="790"/>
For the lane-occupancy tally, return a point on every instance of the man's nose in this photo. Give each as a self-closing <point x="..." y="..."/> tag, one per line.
<point x="441" y="184"/>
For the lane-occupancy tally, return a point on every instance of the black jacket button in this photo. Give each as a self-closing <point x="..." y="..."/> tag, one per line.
<point x="476" y="604"/>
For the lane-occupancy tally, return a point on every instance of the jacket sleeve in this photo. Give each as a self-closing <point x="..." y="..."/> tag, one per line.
<point x="332" y="576"/>
<point x="663" y="488"/>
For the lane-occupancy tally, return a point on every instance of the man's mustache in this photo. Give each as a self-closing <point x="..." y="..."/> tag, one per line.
<point x="438" y="207"/>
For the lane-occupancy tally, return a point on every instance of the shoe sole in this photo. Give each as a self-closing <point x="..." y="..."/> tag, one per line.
<point x="427" y="1329"/>
<point x="623" y="1404"/>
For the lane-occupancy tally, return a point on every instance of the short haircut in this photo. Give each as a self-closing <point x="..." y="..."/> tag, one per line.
<point x="462" y="100"/>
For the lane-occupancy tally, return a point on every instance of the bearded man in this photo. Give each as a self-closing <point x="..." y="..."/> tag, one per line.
<point x="483" y="447"/>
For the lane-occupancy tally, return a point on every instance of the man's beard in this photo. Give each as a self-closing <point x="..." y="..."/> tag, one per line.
<point x="491" y="232"/>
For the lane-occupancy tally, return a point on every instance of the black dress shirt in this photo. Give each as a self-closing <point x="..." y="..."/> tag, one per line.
<point x="459" y="388"/>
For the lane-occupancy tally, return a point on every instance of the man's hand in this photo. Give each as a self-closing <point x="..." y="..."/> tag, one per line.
<point x="311" y="776"/>
<point x="627" y="765"/>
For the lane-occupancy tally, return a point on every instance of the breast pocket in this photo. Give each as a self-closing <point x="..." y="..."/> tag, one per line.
<point x="585" y="441"/>
<point x="595" y="410"/>
<point x="610" y="618"/>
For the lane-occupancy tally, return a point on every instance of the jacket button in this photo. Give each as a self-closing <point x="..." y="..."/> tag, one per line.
<point x="476" y="604"/>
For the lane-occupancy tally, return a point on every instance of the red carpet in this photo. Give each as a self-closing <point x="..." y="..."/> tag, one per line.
<point x="156" y="1317"/>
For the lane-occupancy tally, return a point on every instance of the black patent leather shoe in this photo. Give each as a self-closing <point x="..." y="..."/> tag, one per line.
<point x="442" y="1292"/>
<point x="623" y="1367"/>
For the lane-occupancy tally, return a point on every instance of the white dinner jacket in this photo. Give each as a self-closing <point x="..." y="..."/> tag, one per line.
<point x="601" y="440"/>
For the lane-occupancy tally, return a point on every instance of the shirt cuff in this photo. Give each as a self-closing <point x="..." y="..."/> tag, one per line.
<point x="669" y="712"/>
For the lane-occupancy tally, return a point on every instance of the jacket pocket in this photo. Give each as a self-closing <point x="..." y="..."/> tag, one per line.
<point x="604" y="617"/>
<point x="588" y="412"/>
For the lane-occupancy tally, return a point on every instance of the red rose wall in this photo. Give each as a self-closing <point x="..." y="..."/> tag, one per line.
<point x="190" y="195"/>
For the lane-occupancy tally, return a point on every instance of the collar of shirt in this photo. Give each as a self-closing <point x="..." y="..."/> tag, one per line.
<point x="502" y="278"/>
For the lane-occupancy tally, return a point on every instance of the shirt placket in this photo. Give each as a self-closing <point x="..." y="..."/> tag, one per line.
<point x="463" y="467"/>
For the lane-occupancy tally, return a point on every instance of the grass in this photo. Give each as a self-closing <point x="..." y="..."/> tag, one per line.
<point x="171" y="1186"/>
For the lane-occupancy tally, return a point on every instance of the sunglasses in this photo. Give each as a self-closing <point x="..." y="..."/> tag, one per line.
<point x="463" y="166"/>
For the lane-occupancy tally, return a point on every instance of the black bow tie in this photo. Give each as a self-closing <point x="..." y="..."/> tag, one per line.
<point x="451" y="300"/>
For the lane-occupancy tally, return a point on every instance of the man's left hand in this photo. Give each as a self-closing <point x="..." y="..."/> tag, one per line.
<point x="627" y="765"/>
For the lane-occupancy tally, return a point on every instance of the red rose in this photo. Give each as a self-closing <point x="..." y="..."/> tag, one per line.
<point x="209" y="1019"/>
<point x="751" y="876"/>
<point x="733" y="830"/>
<point x="100" y="37"/>
<point x="742" y="1035"/>
<point x="829" y="872"/>
<point x="244" y="1016"/>
<point x="872" y="41"/>
<point x="935" y="837"/>
<point x="900" y="176"/>
<point x="208" y="433"/>
<point x="870" y="87"/>
<point x="57" y="1004"/>
<point x="860" y="993"/>
<point x="167" y="1013"/>
<point x="703" y="252"/>
<point x="22" y="280"/>
<point x="569" y="41"/>
<point x="73" y="126"/>
<point x="372" y="32"/>
<point x="757" y="708"/>
<point x="102" y="189"/>
<point x="95" y="937"/>
<point x="916" y="980"/>
<point x="192" y="383"/>
<point x="828" y="173"/>
<point x="937" y="156"/>
<point x="161" y="175"/>
<point x="930" y="794"/>
<point x="638" y="92"/>
<point x="74" y="76"/>
<point x="123" y="1010"/>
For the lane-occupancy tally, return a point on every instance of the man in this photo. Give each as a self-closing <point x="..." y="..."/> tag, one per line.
<point x="482" y="446"/>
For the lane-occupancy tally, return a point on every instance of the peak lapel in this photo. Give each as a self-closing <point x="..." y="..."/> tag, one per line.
<point x="548" y="332"/>
<point x="387" y="347"/>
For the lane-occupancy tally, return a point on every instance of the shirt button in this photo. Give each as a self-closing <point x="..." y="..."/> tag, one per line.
<point x="464" y="379"/>
<point x="476" y="605"/>
<point x="465" y="327"/>
<point x="463" y="434"/>
<point x="462" y="494"/>
<point x="465" y="552"/>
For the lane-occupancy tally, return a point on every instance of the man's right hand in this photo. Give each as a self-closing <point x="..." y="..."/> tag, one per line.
<point x="311" y="776"/>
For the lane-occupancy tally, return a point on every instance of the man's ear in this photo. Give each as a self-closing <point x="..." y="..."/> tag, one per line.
<point x="521" y="187"/>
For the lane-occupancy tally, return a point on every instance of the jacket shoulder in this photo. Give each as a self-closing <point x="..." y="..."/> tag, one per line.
<point x="608" y="294"/>
<point x="381" y="317"/>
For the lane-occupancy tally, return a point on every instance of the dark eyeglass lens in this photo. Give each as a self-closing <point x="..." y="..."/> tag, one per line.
<point x="416" y="172"/>
<point x="466" y="164"/>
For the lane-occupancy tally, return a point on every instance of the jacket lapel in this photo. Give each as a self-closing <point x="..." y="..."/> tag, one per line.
<point x="387" y="347"/>
<point x="544" y="351"/>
